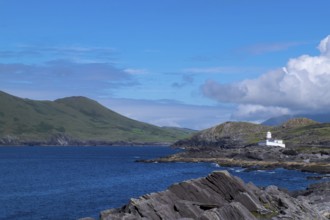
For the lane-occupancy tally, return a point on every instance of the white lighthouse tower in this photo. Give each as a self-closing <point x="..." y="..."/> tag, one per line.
<point x="271" y="142"/>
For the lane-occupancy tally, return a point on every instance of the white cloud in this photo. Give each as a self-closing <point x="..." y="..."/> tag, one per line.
<point x="136" y="71"/>
<point x="61" y="77"/>
<point x="324" y="46"/>
<point x="169" y="113"/>
<point x="301" y="86"/>
<point x="258" y="112"/>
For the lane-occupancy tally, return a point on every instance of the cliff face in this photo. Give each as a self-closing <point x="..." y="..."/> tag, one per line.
<point x="218" y="196"/>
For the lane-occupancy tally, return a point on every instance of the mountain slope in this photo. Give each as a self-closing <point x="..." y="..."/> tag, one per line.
<point x="73" y="119"/>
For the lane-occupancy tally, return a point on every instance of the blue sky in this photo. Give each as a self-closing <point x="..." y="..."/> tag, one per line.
<point x="184" y="63"/>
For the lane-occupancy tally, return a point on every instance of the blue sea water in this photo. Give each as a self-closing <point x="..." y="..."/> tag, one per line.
<point x="73" y="182"/>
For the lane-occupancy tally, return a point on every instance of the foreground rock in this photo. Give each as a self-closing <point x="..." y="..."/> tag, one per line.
<point x="317" y="194"/>
<point x="217" y="196"/>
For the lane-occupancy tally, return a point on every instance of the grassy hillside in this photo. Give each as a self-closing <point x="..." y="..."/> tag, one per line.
<point x="302" y="133"/>
<point x="226" y="135"/>
<point x="275" y="121"/>
<point x="299" y="133"/>
<point x="77" y="118"/>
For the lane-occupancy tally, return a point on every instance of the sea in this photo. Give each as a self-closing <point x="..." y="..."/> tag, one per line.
<point x="74" y="182"/>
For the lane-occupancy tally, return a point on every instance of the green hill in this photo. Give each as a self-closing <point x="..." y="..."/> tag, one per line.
<point x="73" y="120"/>
<point x="226" y="135"/>
<point x="297" y="133"/>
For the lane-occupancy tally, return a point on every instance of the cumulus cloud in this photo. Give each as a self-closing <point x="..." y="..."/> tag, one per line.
<point x="302" y="86"/>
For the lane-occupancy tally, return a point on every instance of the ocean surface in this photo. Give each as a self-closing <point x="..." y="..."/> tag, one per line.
<point x="73" y="182"/>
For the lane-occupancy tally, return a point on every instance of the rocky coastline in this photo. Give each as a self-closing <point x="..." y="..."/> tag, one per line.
<point x="256" y="157"/>
<point x="223" y="196"/>
<point x="236" y="144"/>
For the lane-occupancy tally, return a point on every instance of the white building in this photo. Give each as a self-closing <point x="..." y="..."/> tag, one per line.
<point x="271" y="142"/>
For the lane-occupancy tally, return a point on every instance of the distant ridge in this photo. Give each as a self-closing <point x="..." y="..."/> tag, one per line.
<point x="298" y="122"/>
<point x="274" y="121"/>
<point x="324" y="118"/>
<point x="226" y="135"/>
<point x="74" y="121"/>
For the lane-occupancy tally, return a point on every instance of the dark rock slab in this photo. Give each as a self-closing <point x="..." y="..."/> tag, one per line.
<point x="217" y="196"/>
<point x="234" y="210"/>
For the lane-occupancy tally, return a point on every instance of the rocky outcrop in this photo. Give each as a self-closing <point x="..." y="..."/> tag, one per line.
<point x="217" y="196"/>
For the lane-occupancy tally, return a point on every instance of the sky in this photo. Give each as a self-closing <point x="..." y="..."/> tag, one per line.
<point x="183" y="63"/>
